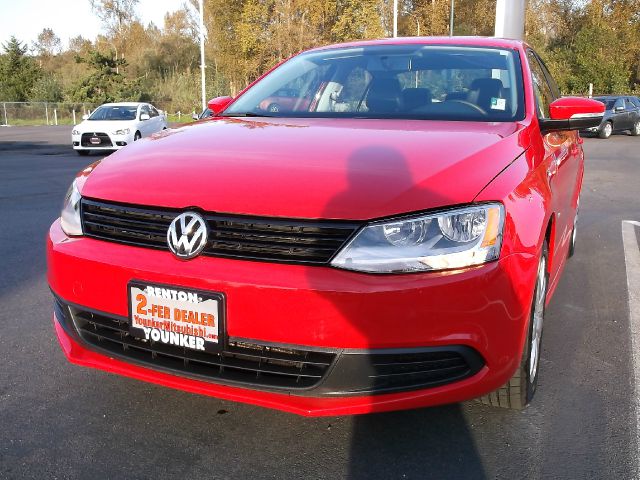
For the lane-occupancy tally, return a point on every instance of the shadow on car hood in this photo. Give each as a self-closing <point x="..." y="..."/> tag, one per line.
<point x="309" y="168"/>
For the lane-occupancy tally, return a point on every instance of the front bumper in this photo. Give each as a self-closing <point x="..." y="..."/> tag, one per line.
<point x="484" y="309"/>
<point x="116" y="142"/>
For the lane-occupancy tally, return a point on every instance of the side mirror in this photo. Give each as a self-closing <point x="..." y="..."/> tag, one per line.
<point x="85" y="117"/>
<point x="144" y="116"/>
<point x="194" y="116"/>
<point x="618" y="109"/>
<point x="572" y="113"/>
<point x="218" y="104"/>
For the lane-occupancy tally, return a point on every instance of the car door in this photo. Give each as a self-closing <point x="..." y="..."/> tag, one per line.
<point x="563" y="162"/>
<point x="156" y="125"/>
<point x="146" y="126"/>
<point x="635" y="114"/>
<point x="161" y="118"/>
<point x="619" y="115"/>
<point x="631" y="110"/>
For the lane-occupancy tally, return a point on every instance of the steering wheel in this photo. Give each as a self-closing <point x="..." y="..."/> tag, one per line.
<point x="470" y="105"/>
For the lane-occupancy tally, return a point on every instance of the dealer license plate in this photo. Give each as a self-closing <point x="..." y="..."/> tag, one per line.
<point x="176" y="316"/>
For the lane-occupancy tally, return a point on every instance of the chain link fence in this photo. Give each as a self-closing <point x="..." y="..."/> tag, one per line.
<point x="52" y="113"/>
<point x="42" y="113"/>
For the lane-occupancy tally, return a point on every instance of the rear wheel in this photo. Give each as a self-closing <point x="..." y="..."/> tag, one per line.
<point x="606" y="131"/>
<point x="83" y="153"/>
<point x="635" y="131"/>
<point x="518" y="391"/>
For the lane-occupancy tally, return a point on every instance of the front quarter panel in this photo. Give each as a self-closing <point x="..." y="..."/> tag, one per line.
<point x="523" y="190"/>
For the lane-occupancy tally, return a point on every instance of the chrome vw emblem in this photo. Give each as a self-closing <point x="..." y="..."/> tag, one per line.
<point x="187" y="235"/>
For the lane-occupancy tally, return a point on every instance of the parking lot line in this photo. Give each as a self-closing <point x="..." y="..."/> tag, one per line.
<point x="632" y="265"/>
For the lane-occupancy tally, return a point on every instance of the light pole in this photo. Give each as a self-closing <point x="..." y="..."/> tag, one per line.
<point x="395" y="18"/>
<point x="510" y="19"/>
<point x="202" y="65"/>
<point x="453" y="9"/>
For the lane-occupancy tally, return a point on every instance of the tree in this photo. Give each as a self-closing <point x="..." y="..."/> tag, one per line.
<point x="47" y="44"/>
<point x="358" y="19"/>
<point x="18" y="72"/>
<point x="46" y="89"/>
<point x="595" y="64"/>
<point x="104" y="83"/>
<point x="115" y="14"/>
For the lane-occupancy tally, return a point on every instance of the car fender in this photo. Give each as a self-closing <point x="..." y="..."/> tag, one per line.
<point x="523" y="190"/>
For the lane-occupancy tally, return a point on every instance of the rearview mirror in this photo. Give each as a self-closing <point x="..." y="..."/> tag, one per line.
<point x="144" y="116"/>
<point x="218" y="104"/>
<point x="572" y="113"/>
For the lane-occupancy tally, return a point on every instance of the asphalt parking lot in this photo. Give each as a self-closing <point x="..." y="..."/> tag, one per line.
<point x="63" y="421"/>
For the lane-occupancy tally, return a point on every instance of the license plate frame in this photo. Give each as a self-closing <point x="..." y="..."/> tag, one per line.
<point x="181" y="330"/>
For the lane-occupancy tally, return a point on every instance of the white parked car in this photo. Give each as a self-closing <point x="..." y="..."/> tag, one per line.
<point x="114" y="125"/>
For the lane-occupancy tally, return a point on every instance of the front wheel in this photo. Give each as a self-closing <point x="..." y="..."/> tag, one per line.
<point x="606" y="131"/>
<point x="635" y="131"/>
<point x="518" y="391"/>
<point x="572" y="245"/>
<point x="137" y="136"/>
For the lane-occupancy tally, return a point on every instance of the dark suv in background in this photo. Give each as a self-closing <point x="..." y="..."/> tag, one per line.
<point x="622" y="113"/>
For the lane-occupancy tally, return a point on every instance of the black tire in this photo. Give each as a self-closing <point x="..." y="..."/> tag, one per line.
<point x="606" y="130"/>
<point x="273" y="107"/>
<point x="137" y="136"/>
<point x="635" y="130"/>
<point x="83" y="153"/>
<point x="517" y="393"/>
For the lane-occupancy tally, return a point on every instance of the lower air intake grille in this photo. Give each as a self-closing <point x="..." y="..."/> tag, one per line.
<point x="95" y="140"/>
<point x="419" y="370"/>
<point x="240" y="362"/>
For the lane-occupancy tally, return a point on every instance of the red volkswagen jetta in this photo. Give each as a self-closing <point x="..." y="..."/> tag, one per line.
<point x="388" y="241"/>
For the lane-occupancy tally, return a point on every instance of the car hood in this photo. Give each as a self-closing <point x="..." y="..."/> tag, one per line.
<point x="103" y="126"/>
<point x="319" y="168"/>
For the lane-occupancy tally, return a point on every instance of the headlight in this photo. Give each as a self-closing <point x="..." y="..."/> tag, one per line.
<point x="451" y="239"/>
<point x="75" y="132"/>
<point x="70" y="216"/>
<point x="124" y="131"/>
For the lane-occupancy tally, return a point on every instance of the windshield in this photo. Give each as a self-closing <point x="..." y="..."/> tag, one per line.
<point x="392" y="81"/>
<point x="115" y="112"/>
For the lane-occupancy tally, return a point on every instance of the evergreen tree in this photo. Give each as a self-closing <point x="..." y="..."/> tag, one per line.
<point x="18" y="72"/>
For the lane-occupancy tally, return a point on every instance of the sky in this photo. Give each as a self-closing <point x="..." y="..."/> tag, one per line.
<point x="68" y="18"/>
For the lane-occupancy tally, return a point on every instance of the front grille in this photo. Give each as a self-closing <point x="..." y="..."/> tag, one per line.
<point x="239" y="362"/>
<point x="255" y="238"/>
<point x="105" y="141"/>
<point x="430" y="368"/>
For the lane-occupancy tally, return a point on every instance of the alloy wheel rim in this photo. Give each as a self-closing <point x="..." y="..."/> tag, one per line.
<point x="538" y="318"/>
<point x="607" y="129"/>
<point x="637" y="128"/>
